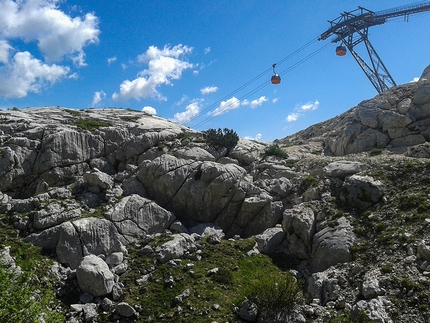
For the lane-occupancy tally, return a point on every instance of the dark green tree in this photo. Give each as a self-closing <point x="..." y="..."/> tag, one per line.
<point x="226" y="138"/>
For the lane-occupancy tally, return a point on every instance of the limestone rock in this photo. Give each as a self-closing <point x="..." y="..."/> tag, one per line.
<point x="342" y="169"/>
<point x="374" y="309"/>
<point x="299" y="223"/>
<point x="176" y="248"/>
<point x="136" y="216"/>
<point x="94" y="276"/>
<point x="332" y="246"/>
<point x="362" y="191"/>
<point x="270" y="240"/>
<point x="124" y="309"/>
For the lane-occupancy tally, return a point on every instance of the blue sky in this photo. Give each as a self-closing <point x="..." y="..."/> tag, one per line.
<point x="200" y="63"/>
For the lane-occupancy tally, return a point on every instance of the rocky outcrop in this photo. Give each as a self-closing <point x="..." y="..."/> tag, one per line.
<point x="395" y="119"/>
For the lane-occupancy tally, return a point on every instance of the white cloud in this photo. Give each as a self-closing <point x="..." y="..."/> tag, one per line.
<point x="300" y="110"/>
<point x="24" y="73"/>
<point x="164" y="65"/>
<point x="5" y="50"/>
<point x="208" y="90"/>
<point x="293" y="117"/>
<point x="149" y="110"/>
<point x="258" y="102"/>
<point x="111" y="60"/>
<point x="310" y="106"/>
<point x="207" y="50"/>
<point x="415" y="79"/>
<point x="191" y="111"/>
<point x="275" y="100"/>
<point x="258" y="136"/>
<point x="98" y="97"/>
<point x="226" y="106"/>
<point x="56" y="33"/>
<point x="57" y="36"/>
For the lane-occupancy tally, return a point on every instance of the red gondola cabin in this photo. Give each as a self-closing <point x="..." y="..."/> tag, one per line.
<point x="340" y="50"/>
<point x="276" y="79"/>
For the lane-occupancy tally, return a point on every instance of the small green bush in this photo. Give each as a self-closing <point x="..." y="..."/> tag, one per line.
<point x="274" y="150"/>
<point x="227" y="138"/>
<point x="276" y="295"/>
<point x="73" y="112"/>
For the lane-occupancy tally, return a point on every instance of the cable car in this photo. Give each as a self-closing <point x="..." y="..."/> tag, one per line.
<point x="276" y="79"/>
<point x="340" y="50"/>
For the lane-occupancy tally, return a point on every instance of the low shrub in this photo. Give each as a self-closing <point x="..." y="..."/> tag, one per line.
<point x="276" y="295"/>
<point x="274" y="150"/>
<point x="227" y="138"/>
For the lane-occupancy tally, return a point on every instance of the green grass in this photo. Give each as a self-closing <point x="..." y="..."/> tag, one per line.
<point x="238" y="277"/>
<point x="17" y="302"/>
<point x="90" y="124"/>
<point x="74" y="113"/>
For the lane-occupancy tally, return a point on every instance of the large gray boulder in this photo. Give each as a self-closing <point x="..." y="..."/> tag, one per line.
<point x="299" y="223"/>
<point x="362" y="191"/>
<point x="136" y="216"/>
<point x="209" y="192"/>
<point x="94" y="276"/>
<point x="332" y="245"/>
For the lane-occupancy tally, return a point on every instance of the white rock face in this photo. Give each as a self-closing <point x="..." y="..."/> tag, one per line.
<point x="94" y="276"/>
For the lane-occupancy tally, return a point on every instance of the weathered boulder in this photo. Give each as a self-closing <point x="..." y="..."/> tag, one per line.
<point x="135" y="216"/>
<point x="124" y="309"/>
<point x="332" y="245"/>
<point x="210" y="230"/>
<point x="180" y="245"/>
<point x="98" y="178"/>
<point x="269" y="241"/>
<point x="299" y="223"/>
<point x="94" y="276"/>
<point x="323" y="288"/>
<point x="362" y="191"/>
<point x="209" y="192"/>
<point x="371" y="287"/>
<point x="54" y="214"/>
<point x="374" y="309"/>
<point x="342" y="169"/>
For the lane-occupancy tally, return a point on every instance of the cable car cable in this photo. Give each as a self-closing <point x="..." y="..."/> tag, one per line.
<point x="267" y="83"/>
<point x="252" y="80"/>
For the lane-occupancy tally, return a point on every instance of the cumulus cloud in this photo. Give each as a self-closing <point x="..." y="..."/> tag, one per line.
<point x="207" y="50"/>
<point x="310" y="106"/>
<point x="226" y="106"/>
<point x="56" y="33"/>
<point x="191" y="111"/>
<point x="98" y="97"/>
<point x="57" y="36"/>
<point x="164" y="65"/>
<point x="300" y="110"/>
<point x="149" y="110"/>
<point x="415" y="79"/>
<point x="275" y="100"/>
<point x="258" y="102"/>
<point x="235" y="103"/>
<point x="208" y="90"/>
<point x="23" y="74"/>
<point x="293" y="117"/>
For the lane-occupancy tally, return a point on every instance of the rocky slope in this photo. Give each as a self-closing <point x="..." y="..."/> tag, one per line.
<point x="126" y="208"/>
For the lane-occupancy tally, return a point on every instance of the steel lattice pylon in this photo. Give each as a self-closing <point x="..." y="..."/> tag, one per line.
<point x="352" y="28"/>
